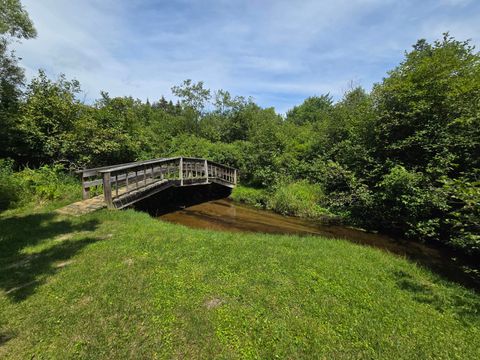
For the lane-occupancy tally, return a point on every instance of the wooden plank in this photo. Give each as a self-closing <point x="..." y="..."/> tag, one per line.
<point x="92" y="183"/>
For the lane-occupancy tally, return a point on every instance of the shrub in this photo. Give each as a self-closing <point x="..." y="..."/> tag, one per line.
<point x="298" y="198"/>
<point x="464" y="216"/>
<point x="347" y="196"/>
<point x="409" y="205"/>
<point x="47" y="183"/>
<point x="251" y="196"/>
<point x="9" y="186"/>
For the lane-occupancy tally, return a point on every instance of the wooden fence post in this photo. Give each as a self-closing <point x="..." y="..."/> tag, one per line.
<point x="107" y="190"/>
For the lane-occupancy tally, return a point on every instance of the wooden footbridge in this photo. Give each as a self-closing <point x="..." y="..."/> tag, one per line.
<point x="122" y="185"/>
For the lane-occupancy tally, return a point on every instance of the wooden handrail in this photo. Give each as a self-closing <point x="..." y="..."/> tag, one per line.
<point x="140" y="163"/>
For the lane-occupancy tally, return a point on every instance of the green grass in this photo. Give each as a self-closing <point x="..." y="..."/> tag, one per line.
<point x="119" y="284"/>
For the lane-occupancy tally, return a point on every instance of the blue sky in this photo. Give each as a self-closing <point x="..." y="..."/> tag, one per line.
<point x="278" y="52"/>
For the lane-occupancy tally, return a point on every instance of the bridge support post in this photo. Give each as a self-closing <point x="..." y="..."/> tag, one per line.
<point x="235" y="177"/>
<point x="107" y="190"/>
<point x="85" y="192"/>
<point x="206" y="171"/>
<point x="181" y="171"/>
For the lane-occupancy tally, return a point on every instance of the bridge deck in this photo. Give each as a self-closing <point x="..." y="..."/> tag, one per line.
<point x="125" y="184"/>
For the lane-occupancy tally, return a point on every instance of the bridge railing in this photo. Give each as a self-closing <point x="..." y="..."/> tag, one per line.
<point x="120" y="181"/>
<point x="124" y="180"/>
<point x="222" y="173"/>
<point x="92" y="179"/>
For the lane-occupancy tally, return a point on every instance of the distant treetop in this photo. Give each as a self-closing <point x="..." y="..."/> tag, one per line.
<point x="14" y="20"/>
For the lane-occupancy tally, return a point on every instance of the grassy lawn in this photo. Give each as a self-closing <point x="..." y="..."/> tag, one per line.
<point x="122" y="285"/>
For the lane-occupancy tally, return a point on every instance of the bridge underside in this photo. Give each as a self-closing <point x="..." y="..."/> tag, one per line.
<point x="132" y="197"/>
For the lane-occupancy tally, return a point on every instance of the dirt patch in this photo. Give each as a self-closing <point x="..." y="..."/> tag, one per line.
<point x="104" y="237"/>
<point x="85" y="300"/>
<point x="213" y="303"/>
<point x="4" y="337"/>
<point x="63" y="263"/>
<point x="129" y="262"/>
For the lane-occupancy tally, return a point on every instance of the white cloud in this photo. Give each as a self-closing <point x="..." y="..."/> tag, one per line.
<point x="278" y="51"/>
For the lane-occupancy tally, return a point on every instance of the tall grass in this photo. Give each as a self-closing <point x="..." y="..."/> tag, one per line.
<point x="296" y="198"/>
<point x="250" y="196"/>
<point x="35" y="186"/>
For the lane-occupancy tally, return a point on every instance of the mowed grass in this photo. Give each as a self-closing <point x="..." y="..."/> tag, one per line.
<point x="120" y="284"/>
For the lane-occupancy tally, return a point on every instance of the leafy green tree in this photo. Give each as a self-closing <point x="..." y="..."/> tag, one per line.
<point x="14" y="20"/>
<point x="49" y="113"/>
<point x="346" y="134"/>
<point x="313" y="109"/>
<point x="265" y="145"/>
<point x="428" y="109"/>
<point x="14" y="23"/>
<point x="194" y="98"/>
<point x="11" y="80"/>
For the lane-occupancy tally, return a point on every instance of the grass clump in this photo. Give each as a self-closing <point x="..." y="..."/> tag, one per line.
<point x="299" y="198"/>
<point x="251" y="196"/>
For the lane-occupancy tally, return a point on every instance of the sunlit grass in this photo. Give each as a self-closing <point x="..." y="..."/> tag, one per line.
<point x="123" y="285"/>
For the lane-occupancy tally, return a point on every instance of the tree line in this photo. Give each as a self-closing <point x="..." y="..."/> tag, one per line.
<point x="403" y="158"/>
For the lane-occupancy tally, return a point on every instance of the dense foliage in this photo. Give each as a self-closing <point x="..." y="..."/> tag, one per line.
<point x="46" y="184"/>
<point x="403" y="159"/>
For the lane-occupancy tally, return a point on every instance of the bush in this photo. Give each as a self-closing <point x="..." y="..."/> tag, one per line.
<point x="251" y="196"/>
<point x="47" y="183"/>
<point x="298" y="198"/>
<point x="346" y="195"/>
<point x="9" y="186"/>
<point x="409" y="205"/>
<point x="464" y="216"/>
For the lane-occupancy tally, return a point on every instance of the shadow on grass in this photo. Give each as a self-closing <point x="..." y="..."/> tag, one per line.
<point x="5" y="337"/>
<point x="466" y="305"/>
<point x="21" y="272"/>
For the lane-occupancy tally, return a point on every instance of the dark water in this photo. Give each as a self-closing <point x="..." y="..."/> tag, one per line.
<point x="207" y="207"/>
